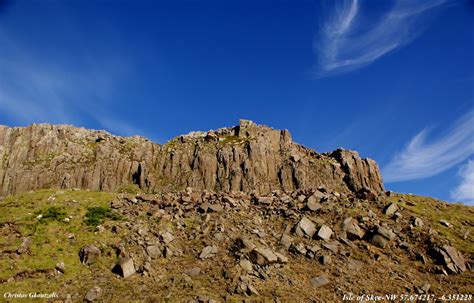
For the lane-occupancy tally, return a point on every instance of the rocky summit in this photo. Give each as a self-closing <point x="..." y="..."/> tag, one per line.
<point x="242" y="158"/>
<point x="239" y="214"/>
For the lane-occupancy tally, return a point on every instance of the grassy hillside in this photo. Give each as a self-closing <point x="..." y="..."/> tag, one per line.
<point x="61" y="222"/>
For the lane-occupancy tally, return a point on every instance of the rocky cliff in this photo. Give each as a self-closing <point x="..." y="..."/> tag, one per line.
<point x="246" y="157"/>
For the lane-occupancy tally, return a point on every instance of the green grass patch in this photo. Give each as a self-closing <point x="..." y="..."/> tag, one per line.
<point x="460" y="216"/>
<point x="51" y="242"/>
<point x="233" y="140"/>
<point x="97" y="215"/>
<point x="132" y="189"/>
<point x="53" y="213"/>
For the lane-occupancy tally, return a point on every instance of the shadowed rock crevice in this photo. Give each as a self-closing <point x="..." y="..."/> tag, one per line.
<point x="246" y="157"/>
<point x="136" y="176"/>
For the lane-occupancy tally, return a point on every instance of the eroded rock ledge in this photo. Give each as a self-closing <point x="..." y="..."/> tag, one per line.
<point x="247" y="157"/>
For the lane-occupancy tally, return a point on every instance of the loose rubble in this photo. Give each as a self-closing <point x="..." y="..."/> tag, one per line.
<point x="248" y="244"/>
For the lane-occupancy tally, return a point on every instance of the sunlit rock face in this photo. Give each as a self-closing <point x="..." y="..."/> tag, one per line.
<point x="247" y="157"/>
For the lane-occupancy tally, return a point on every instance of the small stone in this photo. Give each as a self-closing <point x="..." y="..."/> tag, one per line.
<point x="265" y="200"/>
<point x="246" y="265"/>
<point x="193" y="272"/>
<point x="25" y="245"/>
<point x="167" y="237"/>
<point x="244" y="244"/>
<point x="425" y="287"/>
<point x="219" y="236"/>
<point x="417" y="222"/>
<point x="93" y="294"/>
<point x="147" y="266"/>
<point x="295" y="156"/>
<point x="115" y="204"/>
<point x="286" y="241"/>
<point x="305" y="227"/>
<point x="298" y="248"/>
<point x="241" y="288"/>
<point x="252" y="290"/>
<point x="325" y="232"/>
<point x="204" y="207"/>
<point x="367" y="194"/>
<point x="319" y="281"/>
<point x="332" y="246"/>
<point x="325" y="259"/>
<point x="142" y="231"/>
<point x="445" y="223"/>
<point x="371" y="214"/>
<point x="202" y="299"/>
<point x="466" y="234"/>
<point x="217" y="208"/>
<point x="61" y="267"/>
<point x="391" y="209"/>
<point x="154" y="251"/>
<point x="312" y="203"/>
<point x="314" y="248"/>
<point x="385" y="232"/>
<point x="379" y="240"/>
<point x="208" y="252"/>
<point x="168" y="252"/>
<point x="404" y="245"/>
<point x="354" y="265"/>
<point x="281" y="258"/>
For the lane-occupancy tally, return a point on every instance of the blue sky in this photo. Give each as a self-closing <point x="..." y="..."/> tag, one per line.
<point x="391" y="79"/>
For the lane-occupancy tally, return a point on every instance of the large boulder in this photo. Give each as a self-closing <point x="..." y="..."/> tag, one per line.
<point x="325" y="232"/>
<point x="450" y="257"/>
<point x="390" y="209"/>
<point x="352" y="230"/>
<point x="263" y="256"/>
<point x="305" y="227"/>
<point x="381" y="236"/>
<point x="125" y="267"/>
<point x="89" y="254"/>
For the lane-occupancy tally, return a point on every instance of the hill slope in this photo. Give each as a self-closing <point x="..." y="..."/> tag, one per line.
<point x="201" y="245"/>
<point x="224" y="215"/>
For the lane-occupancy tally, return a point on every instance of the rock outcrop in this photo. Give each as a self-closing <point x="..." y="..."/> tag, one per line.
<point x="246" y="157"/>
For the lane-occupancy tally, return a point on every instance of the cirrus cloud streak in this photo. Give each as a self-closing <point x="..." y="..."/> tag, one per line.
<point x="350" y="39"/>
<point x="424" y="157"/>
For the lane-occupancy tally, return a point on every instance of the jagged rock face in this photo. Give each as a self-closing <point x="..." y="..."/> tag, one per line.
<point x="359" y="172"/>
<point x="42" y="156"/>
<point x="242" y="158"/>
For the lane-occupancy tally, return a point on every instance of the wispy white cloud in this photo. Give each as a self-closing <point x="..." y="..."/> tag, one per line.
<point x="423" y="158"/>
<point x="350" y="39"/>
<point x="35" y="89"/>
<point x="464" y="192"/>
